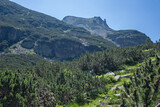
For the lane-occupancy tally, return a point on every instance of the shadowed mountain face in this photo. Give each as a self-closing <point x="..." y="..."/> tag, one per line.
<point x="127" y="37"/>
<point x="24" y="30"/>
<point x="99" y="27"/>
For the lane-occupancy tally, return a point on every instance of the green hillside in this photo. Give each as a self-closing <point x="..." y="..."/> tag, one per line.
<point x="37" y="31"/>
<point x="128" y="37"/>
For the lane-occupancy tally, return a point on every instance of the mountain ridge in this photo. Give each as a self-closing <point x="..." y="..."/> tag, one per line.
<point x="99" y="27"/>
<point x="40" y="31"/>
<point x="90" y="24"/>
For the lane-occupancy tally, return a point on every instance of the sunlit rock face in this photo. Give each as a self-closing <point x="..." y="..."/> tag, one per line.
<point x="99" y="27"/>
<point x="95" y="25"/>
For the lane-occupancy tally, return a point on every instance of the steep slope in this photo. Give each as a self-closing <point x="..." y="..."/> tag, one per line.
<point x="128" y="37"/>
<point x="95" y="25"/>
<point x="99" y="27"/>
<point x="45" y="35"/>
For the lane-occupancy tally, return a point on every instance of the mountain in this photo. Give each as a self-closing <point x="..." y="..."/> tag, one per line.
<point x="99" y="27"/>
<point x="25" y="31"/>
<point x="128" y="37"/>
<point x="94" y="25"/>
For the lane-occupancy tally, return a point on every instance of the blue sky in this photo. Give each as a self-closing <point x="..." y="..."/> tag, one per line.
<point x="142" y="15"/>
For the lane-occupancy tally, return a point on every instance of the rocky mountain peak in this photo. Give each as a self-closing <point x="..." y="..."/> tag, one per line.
<point x="99" y="20"/>
<point x="99" y="27"/>
<point x="94" y="25"/>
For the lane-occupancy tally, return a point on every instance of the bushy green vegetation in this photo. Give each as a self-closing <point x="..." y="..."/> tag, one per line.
<point x="18" y="89"/>
<point x="46" y="85"/>
<point x="114" y="59"/>
<point x="76" y="83"/>
<point x="144" y="88"/>
<point x="14" y="61"/>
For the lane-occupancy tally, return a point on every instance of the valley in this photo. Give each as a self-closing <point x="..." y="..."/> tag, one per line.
<point x="74" y="62"/>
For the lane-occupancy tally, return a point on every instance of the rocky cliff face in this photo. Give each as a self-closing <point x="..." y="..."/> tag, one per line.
<point x="62" y="49"/>
<point x="11" y="34"/>
<point x="99" y="27"/>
